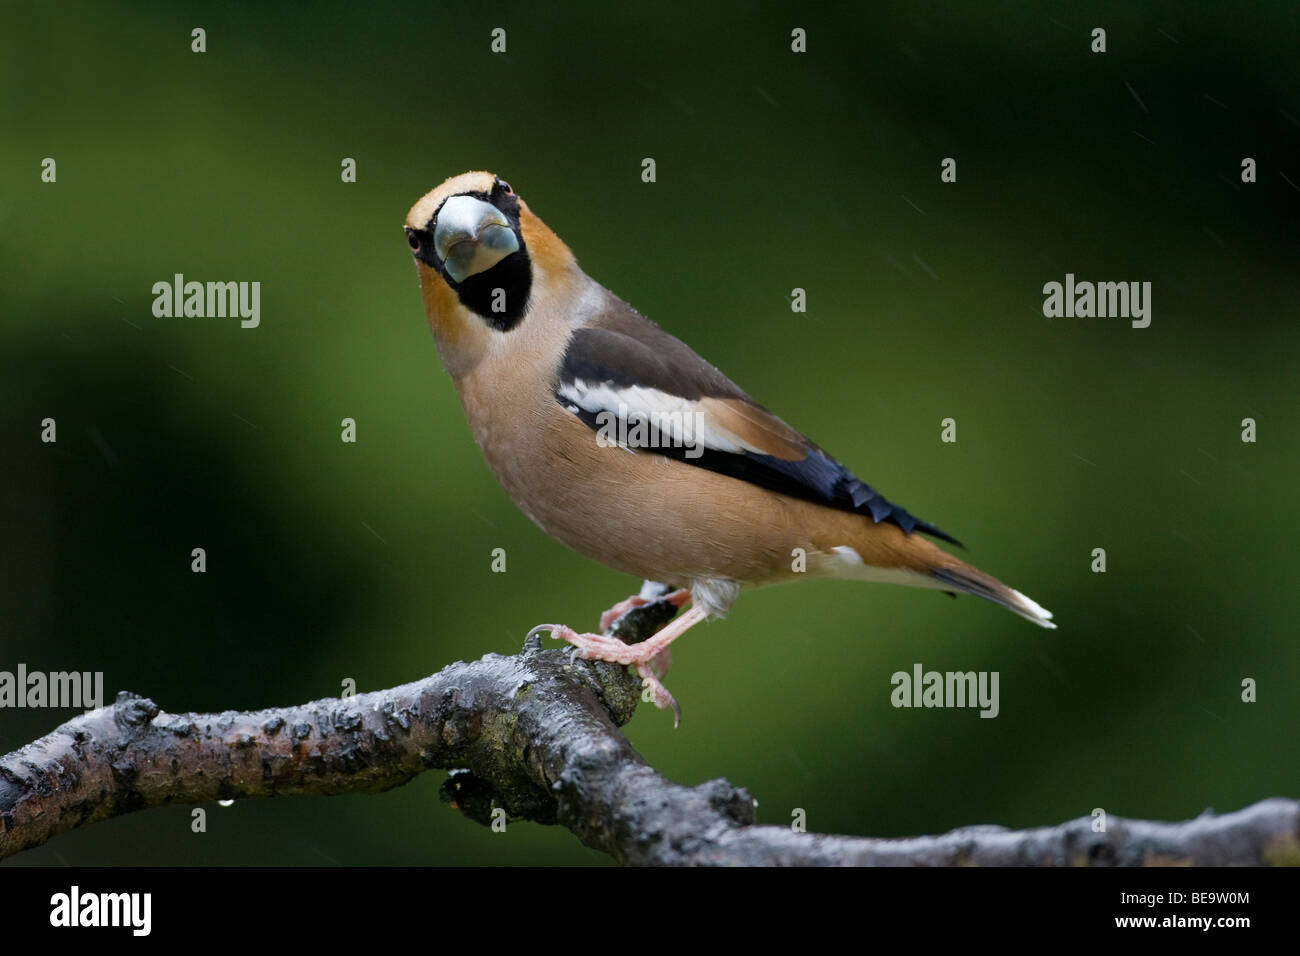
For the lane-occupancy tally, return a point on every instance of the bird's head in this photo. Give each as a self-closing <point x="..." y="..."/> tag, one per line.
<point x="481" y="255"/>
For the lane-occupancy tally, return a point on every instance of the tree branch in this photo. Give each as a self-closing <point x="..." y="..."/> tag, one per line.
<point x="537" y="735"/>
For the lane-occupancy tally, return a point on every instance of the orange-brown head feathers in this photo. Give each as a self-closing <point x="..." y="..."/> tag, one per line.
<point x="480" y="253"/>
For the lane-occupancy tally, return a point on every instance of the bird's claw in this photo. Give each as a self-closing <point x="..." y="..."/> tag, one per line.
<point x="597" y="647"/>
<point x="551" y="628"/>
<point x="654" y="692"/>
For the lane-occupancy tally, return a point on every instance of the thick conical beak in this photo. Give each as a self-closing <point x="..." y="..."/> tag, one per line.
<point x="472" y="236"/>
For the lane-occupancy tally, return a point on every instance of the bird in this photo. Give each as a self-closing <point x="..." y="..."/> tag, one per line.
<point x="620" y="441"/>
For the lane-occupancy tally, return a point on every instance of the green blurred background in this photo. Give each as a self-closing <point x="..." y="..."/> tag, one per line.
<point x="372" y="561"/>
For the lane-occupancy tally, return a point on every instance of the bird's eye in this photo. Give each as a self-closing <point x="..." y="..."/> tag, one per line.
<point x="413" y="241"/>
<point x="506" y="186"/>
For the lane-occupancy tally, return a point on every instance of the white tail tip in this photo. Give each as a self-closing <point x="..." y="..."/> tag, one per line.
<point x="1033" y="611"/>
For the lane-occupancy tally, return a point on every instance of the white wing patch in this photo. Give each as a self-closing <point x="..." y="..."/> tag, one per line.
<point x="660" y="416"/>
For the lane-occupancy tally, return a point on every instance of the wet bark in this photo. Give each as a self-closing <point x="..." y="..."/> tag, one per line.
<point x="536" y="735"/>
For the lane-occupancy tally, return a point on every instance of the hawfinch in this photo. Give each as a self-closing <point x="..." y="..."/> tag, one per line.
<point x="616" y="438"/>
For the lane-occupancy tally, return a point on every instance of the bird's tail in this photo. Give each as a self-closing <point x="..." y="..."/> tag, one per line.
<point x="884" y="553"/>
<point x="960" y="576"/>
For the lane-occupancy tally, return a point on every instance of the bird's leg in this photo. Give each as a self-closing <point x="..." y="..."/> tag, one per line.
<point x="677" y="598"/>
<point x="597" y="647"/>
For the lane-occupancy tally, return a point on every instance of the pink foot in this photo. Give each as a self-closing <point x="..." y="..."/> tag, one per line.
<point x="654" y="692"/>
<point x="651" y="665"/>
<point x="596" y="647"/>
<point x="650" y="657"/>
